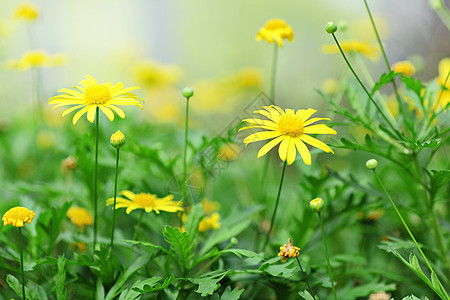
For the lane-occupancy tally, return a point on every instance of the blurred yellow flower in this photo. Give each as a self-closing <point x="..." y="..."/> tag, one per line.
<point x="354" y="46"/>
<point x="146" y="201"/>
<point x="153" y="74"/>
<point x="329" y="86"/>
<point x="289" y="128"/>
<point x="36" y="59"/>
<point x="274" y="31"/>
<point x="228" y="152"/>
<point x="443" y="80"/>
<point x="92" y="95"/>
<point x="80" y="217"/>
<point x="288" y="250"/>
<point x="248" y="78"/>
<point x="405" y="67"/>
<point x="26" y="11"/>
<point x="210" y="222"/>
<point x="18" y="215"/>
<point x="209" y="206"/>
<point x="44" y="139"/>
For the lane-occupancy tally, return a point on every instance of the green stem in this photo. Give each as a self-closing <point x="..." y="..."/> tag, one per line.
<point x="326" y="254"/>
<point x="409" y="231"/>
<point x="443" y="88"/>
<point x="306" y="279"/>
<point x="136" y="229"/>
<point x="184" y="185"/>
<point x="95" y="175"/>
<point x="362" y="85"/>
<point x="21" y="261"/>
<point x="276" y="206"/>
<point x="273" y="72"/>
<point x="115" y="196"/>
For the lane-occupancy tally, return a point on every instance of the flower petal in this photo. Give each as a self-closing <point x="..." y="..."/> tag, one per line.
<point x="259" y="136"/>
<point x="291" y="152"/>
<point x="303" y="150"/>
<point x="107" y="112"/>
<point x="266" y="148"/>
<point x="91" y="113"/>
<point x="69" y="110"/>
<point x="304" y="114"/>
<point x="318" y="129"/>
<point x="313" y="120"/>
<point x="78" y="115"/>
<point x="130" y="195"/>
<point x="283" y="148"/>
<point x="117" y="110"/>
<point x="315" y="143"/>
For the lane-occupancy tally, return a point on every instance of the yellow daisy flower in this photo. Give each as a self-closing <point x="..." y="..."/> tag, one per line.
<point x="354" y="46"/>
<point x="92" y="95"/>
<point x="405" y="67"/>
<point x="288" y="250"/>
<point x="289" y="128"/>
<point x="35" y="59"/>
<point x="146" y="201"/>
<point x="26" y="11"/>
<point x="274" y="31"/>
<point x="208" y="223"/>
<point x="18" y="215"/>
<point x="80" y="217"/>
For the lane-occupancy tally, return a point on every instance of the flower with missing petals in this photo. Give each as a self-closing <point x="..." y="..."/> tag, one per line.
<point x="17" y="216"/>
<point x="288" y="250"/>
<point x="274" y="31"/>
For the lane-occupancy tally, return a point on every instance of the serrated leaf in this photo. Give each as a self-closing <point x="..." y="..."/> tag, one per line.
<point x="193" y="220"/>
<point x="242" y="252"/>
<point x="61" y="293"/>
<point x="208" y="285"/>
<point x="181" y="243"/>
<point x="285" y="269"/>
<point x="412" y="84"/>
<point x="229" y="294"/>
<point x="152" y="285"/>
<point x="385" y="78"/>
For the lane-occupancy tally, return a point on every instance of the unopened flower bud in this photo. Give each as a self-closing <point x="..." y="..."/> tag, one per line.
<point x="188" y="92"/>
<point x="117" y="139"/>
<point x="316" y="204"/>
<point x="371" y="164"/>
<point x="233" y="241"/>
<point x="331" y="27"/>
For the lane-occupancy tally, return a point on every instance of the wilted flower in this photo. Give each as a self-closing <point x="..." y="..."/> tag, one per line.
<point x="274" y="31"/>
<point x="69" y="163"/>
<point x="17" y="216"/>
<point x="228" y="152"/>
<point x="444" y="82"/>
<point x="288" y="250"/>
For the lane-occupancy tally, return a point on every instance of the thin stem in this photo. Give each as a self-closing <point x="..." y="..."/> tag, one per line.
<point x="95" y="175"/>
<point x="184" y="185"/>
<point x="306" y="279"/>
<point x="115" y="196"/>
<point x="21" y="261"/>
<point x="276" y="206"/>
<point x="362" y="85"/>
<point x="136" y="229"/>
<point x="408" y="230"/>
<point x="442" y="88"/>
<point x="273" y="72"/>
<point x="326" y="254"/>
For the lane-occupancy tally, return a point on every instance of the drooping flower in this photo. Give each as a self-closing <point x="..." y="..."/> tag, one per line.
<point x="289" y="128"/>
<point x="274" y="31"/>
<point x="209" y="222"/>
<point x="405" y="67"/>
<point x="288" y="250"/>
<point x="354" y="46"/>
<point x="26" y="11"/>
<point x="146" y="201"/>
<point x="80" y="217"/>
<point x="91" y="95"/>
<point x="36" y="59"/>
<point x="17" y="216"/>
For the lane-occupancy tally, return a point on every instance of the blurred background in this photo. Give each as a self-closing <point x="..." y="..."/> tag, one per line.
<point x="165" y="45"/>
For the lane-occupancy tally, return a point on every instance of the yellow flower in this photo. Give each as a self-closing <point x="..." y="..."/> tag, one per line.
<point x="274" y="31"/>
<point x="92" y="95"/>
<point x="18" y="215"/>
<point x="405" y="67"/>
<point x="26" y="11"/>
<point x="209" y="206"/>
<point x="35" y="59"/>
<point x="288" y="250"/>
<point x="146" y="201"/>
<point x="228" y="152"/>
<point x="289" y="128"/>
<point x="444" y="82"/>
<point x="208" y="223"/>
<point x="354" y="46"/>
<point x="153" y="74"/>
<point x="80" y="217"/>
<point x="330" y="86"/>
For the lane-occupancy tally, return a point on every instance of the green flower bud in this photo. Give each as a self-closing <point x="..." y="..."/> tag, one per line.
<point x="233" y="241"/>
<point x="331" y="27"/>
<point x="316" y="204"/>
<point x="188" y="92"/>
<point x="436" y="4"/>
<point x="371" y="164"/>
<point x="117" y="139"/>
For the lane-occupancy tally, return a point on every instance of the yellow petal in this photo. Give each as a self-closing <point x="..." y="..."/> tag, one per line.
<point x="78" y="115"/>
<point x="117" y="110"/>
<point x="303" y="150"/>
<point x="283" y="148"/>
<point x="91" y="113"/>
<point x="259" y="136"/>
<point x="315" y="143"/>
<point x="304" y="114"/>
<point x="291" y="152"/>
<point x="107" y="112"/>
<point x="313" y="120"/>
<point x="69" y="110"/>
<point x="267" y="147"/>
<point x="128" y="194"/>
<point x="318" y="129"/>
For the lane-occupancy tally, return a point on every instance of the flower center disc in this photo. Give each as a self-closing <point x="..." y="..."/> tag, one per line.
<point x="97" y="94"/>
<point x="145" y="200"/>
<point x="275" y="24"/>
<point x="290" y="125"/>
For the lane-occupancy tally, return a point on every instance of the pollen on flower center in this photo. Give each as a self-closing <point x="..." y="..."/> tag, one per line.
<point x="290" y="125"/>
<point x="97" y="94"/>
<point x="146" y="200"/>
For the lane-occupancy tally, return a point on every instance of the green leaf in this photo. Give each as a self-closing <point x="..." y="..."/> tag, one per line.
<point x="147" y="245"/>
<point x="99" y="291"/>
<point x="61" y="293"/>
<point x="129" y="294"/>
<point x="181" y="243"/>
<point x="242" y="252"/>
<point x="365" y="290"/>
<point x="412" y="84"/>
<point x="209" y="284"/>
<point x="412" y="297"/>
<point x="152" y="285"/>
<point x="16" y="286"/>
<point x="193" y="220"/>
<point x="286" y="270"/>
<point x="229" y="294"/>
<point x="435" y="281"/>
<point x="306" y="295"/>
<point x="385" y="78"/>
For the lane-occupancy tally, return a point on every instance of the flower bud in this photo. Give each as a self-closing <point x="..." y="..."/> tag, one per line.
<point x="188" y="92"/>
<point x="331" y="27"/>
<point x="233" y="241"/>
<point x="117" y="139"/>
<point x="371" y="164"/>
<point x="316" y="205"/>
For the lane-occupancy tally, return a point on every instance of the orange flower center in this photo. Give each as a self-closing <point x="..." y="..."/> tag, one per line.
<point x="145" y="200"/>
<point x="97" y="94"/>
<point x="291" y="125"/>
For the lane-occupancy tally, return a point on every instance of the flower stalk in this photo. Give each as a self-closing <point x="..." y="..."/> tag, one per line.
<point x="327" y="256"/>
<point x="21" y="261"/>
<point x="96" y="175"/>
<point x="306" y="279"/>
<point x="115" y="198"/>
<point x="187" y="93"/>
<point x="273" y="73"/>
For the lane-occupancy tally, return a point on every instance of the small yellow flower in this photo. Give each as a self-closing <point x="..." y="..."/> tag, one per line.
<point x="330" y="86"/>
<point x="444" y="95"/>
<point x="80" y="217"/>
<point x="208" y="223"/>
<point x="92" y="95"/>
<point x="405" y="67"/>
<point x="274" y="31"/>
<point x="288" y="250"/>
<point x="354" y="46"/>
<point x="17" y="216"/>
<point x="146" y="201"/>
<point x="228" y="152"/>
<point x="209" y="206"/>
<point x="289" y="128"/>
<point x="117" y="139"/>
<point x="153" y="74"/>
<point x="26" y="11"/>
<point x="36" y="59"/>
